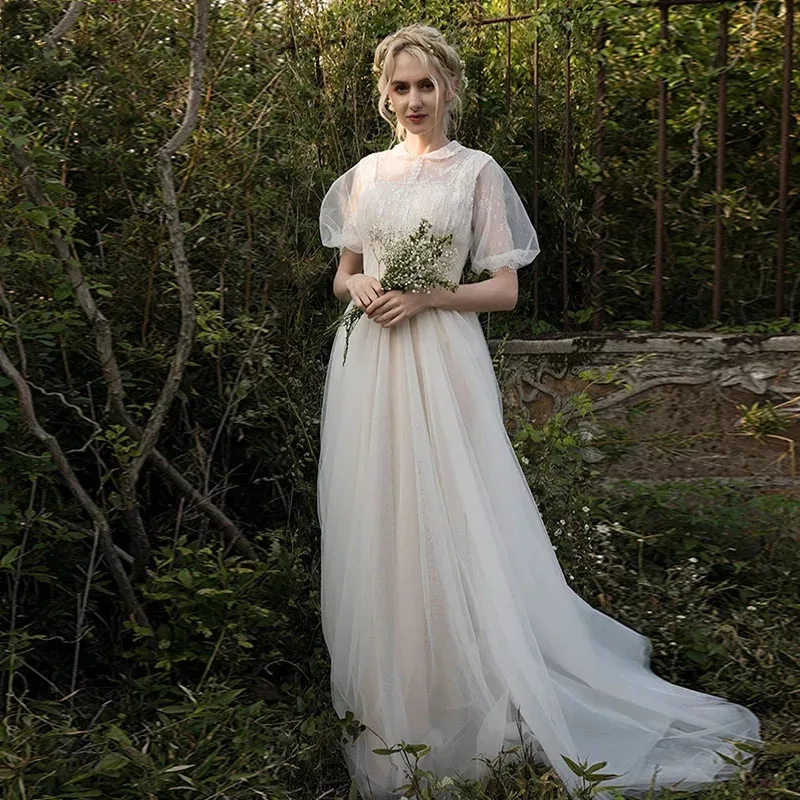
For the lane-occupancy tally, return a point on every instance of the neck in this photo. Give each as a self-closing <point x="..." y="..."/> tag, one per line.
<point x="417" y="144"/>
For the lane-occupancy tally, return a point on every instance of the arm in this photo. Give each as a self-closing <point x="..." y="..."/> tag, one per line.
<point x="350" y="263"/>
<point x="498" y="293"/>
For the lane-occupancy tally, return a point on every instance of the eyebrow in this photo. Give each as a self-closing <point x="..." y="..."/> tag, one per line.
<point x="421" y="80"/>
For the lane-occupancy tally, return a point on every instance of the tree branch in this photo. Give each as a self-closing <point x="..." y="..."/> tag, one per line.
<point x="108" y="361"/>
<point x="14" y="322"/>
<point x="81" y="495"/>
<point x="66" y="23"/>
<point x="172" y="213"/>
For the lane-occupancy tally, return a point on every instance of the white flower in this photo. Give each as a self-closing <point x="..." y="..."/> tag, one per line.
<point x="585" y="509"/>
<point x="692" y="560"/>
<point x="524" y="460"/>
<point x="752" y="608"/>
<point x="562" y="522"/>
<point x="680" y="616"/>
<point x="603" y="528"/>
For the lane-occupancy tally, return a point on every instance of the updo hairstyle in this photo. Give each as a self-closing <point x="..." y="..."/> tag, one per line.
<point x="438" y="57"/>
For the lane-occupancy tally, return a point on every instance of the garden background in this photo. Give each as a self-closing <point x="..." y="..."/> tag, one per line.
<point x="162" y="354"/>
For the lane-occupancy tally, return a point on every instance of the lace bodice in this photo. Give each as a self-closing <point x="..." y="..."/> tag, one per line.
<point x="459" y="190"/>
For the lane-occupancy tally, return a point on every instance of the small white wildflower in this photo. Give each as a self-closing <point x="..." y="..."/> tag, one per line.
<point x="692" y="560"/>
<point x="752" y="608"/>
<point x="641" y="541"/>
<point x="562" y="522"/>
<point x="524" y="460"/>
<point x="680" y="616"/>
<point x="585" y="509"/>
<point x="603" y="528"/>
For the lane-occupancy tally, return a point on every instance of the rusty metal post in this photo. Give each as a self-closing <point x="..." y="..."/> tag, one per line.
<point x="783" y="181"/>
<point x="508" y="57"/>
<point x="567" y="165"/>
<point x="658" y="312"/>
<point x="598" y="238"/>
<point x="719" y="220"/>
<point x="535" y="209"/>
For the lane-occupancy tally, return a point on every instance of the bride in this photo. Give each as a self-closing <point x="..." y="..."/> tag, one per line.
<point x="445" y="611"/>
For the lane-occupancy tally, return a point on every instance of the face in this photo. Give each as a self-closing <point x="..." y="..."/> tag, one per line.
<point x="413" y="96"/>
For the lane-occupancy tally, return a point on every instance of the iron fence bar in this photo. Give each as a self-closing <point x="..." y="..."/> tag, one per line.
<point x="567" y="164"/>
<point x="783" y="180"/>
<point x="722" y="108"/>
<point x="535" y="209"/>
<point x="508" y="57"/>
<point x="658" y="278"/>
<point x="598" y="238"/>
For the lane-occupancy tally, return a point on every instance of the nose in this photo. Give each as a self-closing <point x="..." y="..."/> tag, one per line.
<point x="414" y="98"/>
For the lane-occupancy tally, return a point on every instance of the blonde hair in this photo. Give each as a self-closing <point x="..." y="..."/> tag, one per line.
<point x="440" y="59"/>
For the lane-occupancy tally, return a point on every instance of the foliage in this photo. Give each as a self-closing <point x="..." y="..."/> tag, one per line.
<point x="227" y="695"/>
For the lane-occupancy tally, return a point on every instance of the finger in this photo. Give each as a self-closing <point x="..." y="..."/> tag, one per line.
<point x="374" y="297"/>
<point x="381" y="311"/>
<point x="376" y="305"/>
<point x="390" y="320"/>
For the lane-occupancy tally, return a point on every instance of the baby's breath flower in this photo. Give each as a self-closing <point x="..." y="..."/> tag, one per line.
<point x="415" y="262"/>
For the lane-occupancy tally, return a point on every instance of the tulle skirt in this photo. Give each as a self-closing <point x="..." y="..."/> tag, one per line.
<point x="447" y="616"/>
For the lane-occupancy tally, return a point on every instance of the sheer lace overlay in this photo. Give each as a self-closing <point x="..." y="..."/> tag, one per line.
<point x="461" y="191"/>
<point x="444" y="608"/>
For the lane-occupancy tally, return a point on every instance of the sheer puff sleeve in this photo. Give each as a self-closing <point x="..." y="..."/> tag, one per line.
<point x="502" y="233"/>
<point x="338" y="210"/>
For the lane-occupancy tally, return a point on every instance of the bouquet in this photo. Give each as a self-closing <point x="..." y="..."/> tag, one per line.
<point x="415" y="262"/>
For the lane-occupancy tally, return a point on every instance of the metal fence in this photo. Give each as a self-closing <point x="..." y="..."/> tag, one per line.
<point x="662" y="9"/>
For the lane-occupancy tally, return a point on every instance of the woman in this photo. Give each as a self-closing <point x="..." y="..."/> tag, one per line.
<point x="444" y="608"/>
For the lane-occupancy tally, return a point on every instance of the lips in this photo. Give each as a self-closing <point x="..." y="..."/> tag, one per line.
<point x="416" y="117"/>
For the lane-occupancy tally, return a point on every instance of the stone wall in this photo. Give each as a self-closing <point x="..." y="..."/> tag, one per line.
<point x="678" y="418"/>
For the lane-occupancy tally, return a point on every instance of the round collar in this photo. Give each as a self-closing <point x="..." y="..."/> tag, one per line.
<point x="441" y="152"/>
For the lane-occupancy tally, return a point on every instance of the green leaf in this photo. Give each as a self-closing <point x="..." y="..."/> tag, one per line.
<point x="39" y="217"/>
<point x="111" y="762"/>
<point x="118" y="735"/>
<point x="7" y="561"/>
<point x="576" y="768"/>
<point x="62" y="291"/>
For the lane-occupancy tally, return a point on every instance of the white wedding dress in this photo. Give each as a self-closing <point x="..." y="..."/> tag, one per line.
<point x="444" y="608"/>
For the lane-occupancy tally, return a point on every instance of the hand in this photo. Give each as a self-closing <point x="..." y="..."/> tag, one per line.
<point x="363" y="289"/>
<point x="391" y="308"/>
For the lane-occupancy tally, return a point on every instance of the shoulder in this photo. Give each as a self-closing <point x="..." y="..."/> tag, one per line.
<point x="363" y="169"/>
<point x="478" y="157"/>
